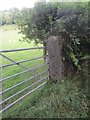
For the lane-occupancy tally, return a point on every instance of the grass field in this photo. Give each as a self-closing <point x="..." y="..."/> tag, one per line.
<point x="10" y="40"/>
<point x="65" y="99"/>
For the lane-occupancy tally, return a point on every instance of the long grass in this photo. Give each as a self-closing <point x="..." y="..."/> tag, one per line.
<point x="65" y="99"/>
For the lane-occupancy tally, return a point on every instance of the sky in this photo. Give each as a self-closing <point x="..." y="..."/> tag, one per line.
<point x="7" y="4"/>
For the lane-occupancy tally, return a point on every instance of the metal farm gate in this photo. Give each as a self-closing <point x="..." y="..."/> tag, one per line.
<point x="41" y="79"/>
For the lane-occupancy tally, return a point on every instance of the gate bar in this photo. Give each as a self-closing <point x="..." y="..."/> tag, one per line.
<point x="23" y="97"/>
<point x="22" y="82"/>
<point x="22" y="49"/>
<point x="22" y="72"/>
<point x="6" y="65"/>
<point x="12" y="61"/>
<point x="23" y="90"/>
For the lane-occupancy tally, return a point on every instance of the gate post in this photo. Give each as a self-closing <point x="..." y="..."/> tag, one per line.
<point x="56" y="67"/>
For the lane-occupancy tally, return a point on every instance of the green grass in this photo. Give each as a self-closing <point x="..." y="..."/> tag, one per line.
<point x="65" y="99"/>
<point x="8" y="27"/>
<point x="10" y="40"/>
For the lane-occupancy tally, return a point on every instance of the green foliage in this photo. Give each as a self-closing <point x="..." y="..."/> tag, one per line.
<point x="9" y="16"/>
<point x="68" y="20"/>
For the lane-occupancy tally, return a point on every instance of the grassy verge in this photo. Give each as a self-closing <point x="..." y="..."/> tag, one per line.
<point x="66" y="99"/>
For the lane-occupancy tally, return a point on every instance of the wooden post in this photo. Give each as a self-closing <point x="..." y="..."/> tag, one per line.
<point x="54" y="47"/>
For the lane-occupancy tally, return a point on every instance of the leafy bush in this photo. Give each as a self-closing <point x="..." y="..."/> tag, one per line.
<point x="68" y="20"/>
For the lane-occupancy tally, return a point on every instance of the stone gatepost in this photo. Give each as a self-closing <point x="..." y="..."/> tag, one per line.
<point x="56" y="67"/>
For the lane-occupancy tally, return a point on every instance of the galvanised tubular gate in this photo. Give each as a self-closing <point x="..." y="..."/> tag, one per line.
<point x="21" y="49"/>
<point x="22" y="82"/>
<point x="21" y="72"/>
<point x="21" y="62"/>
<point x="15" y="75"/>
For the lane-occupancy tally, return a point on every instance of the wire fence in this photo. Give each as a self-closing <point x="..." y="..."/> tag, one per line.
<point x="32" y="85"/>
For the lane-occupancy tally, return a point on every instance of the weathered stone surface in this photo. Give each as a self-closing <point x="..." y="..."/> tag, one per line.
<point x="54" y="47"/>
